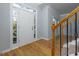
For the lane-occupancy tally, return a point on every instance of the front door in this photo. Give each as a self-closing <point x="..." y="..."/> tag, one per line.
<point x="25" y="26"/>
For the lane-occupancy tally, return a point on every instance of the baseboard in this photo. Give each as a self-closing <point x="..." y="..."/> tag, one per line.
<point x="43" y="38"/>
<point x="9" y="49"/>
<point x="5" y="51"/>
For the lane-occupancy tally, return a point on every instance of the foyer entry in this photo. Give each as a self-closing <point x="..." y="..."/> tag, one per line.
<point x="25" y="26"/>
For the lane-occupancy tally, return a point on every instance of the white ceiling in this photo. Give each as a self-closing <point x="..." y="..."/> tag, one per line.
<point x="35" y="5"/>
<point x="30" y="5"/>
<point x="62" y="8"/>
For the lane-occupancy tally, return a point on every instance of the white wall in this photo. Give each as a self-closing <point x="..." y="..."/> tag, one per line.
<point x="39" y="23"/>
<point x="52" y="13"/>
<point x="42" y="22"/>
<point x="4" y="26"/>
<point x="45" y="22"/>
<point x="45" y="15"/>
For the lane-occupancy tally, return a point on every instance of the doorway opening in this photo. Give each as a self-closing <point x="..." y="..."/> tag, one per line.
<point x="14" y="22"/>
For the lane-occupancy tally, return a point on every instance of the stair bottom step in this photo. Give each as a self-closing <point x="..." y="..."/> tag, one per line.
<point x="72" y="43"/>
<point x="74" y="54"/>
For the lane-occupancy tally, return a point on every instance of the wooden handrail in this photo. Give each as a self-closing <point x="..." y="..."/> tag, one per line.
<point x="64" y="19"/>
<point x="55" y="26"/>
<point x="68" y="23"/>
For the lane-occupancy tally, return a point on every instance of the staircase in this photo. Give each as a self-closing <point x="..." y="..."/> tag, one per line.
<point x="65" y="41"/>
<point x="71" y="48"/>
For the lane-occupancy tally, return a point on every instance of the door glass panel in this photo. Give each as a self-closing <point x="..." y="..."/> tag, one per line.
<point x="14" y="23"/>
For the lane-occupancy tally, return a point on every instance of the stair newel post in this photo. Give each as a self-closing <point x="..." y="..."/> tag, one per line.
<point x="53" y="41"/>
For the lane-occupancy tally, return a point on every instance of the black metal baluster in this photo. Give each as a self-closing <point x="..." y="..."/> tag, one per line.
<point x="60" y="40"/>
<point x="67" y="37"/>
<point x="71" y="32"/>
<point x="76" y="34"/>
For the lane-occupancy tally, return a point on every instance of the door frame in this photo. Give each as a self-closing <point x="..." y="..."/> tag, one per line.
<point x="11" y="25"/>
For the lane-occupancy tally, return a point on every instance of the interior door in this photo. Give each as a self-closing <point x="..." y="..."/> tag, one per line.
<point x="25" y="25"/>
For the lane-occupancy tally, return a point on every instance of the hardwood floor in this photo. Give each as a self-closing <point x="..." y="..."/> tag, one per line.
<point x="38" y="48"/>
